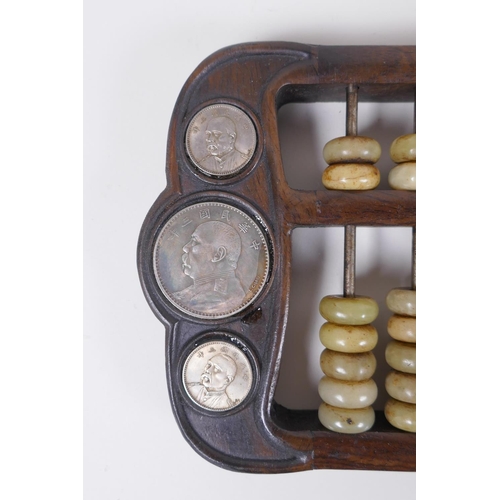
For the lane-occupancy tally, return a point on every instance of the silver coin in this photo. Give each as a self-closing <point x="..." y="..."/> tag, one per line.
<point x="221" y="140"/>
<point x="211" y="260"/>
<point x="217" y="376"/>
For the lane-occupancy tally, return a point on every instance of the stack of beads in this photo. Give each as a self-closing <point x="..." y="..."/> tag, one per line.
<point x="351" y="163"/>
<point x="400" y="354"/>
<point x="347" y="389"/>
<point x="404" y="152"/>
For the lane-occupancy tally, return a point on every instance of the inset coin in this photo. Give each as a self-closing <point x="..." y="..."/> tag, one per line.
<point x="217" y="376"/>
<point x="211" y="260"/>
<point x="221" y="140"/>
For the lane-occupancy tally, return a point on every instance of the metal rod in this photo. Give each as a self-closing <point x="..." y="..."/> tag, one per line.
<point x="349" y="260"/>
<point x="415" y="117"/>
<point x="414" y="228"/>
<point x="350" y="230"/>
<point x="352" y="110"/>
<point x="414" y="258"/>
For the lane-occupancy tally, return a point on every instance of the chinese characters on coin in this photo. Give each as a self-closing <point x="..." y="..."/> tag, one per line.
<point x="221" y="140"/>
<point x="211" y="260"/>
<point x="217" y="376"/>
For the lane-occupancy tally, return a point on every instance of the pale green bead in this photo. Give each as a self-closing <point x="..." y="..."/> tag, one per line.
<point x="345" y="394"/>
<point x="351" y="176"/>
<point x="348" y="310"/>
<point x="402" y="386"/>
<point x="404" y="148"/>
<point x="352" y="148"/>
<point x="402" y="328"/>
<point x="404" y="176"/>
<point x="401" y="415"/>
<point x="402" y="301"/>
<point x="401" y="356"/>
<point x="343" y="366"/>
<point x="348" y="338"/>
<point x="346" y="421"/>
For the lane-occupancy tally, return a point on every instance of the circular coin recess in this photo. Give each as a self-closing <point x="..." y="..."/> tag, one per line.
<point x="217" y="376"/>
<point x="221" y="140"/>
<point x="211" y="260"/>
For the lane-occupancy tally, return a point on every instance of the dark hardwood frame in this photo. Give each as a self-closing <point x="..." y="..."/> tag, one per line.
<point x="261" y="436"/>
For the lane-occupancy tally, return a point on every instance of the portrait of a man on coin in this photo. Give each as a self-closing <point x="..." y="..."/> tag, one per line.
<point x="217" y="375"/>
<point x="221" y="140"/>
<point x="220" y="136"/>
<point x="210" y="391"/>
<point x="210" y="259"/>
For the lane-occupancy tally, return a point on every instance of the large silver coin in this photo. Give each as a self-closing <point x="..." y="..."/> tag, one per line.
<point x="217" y="376"/>
<point x="211" y="260"/>
<point x="221" y="140"/>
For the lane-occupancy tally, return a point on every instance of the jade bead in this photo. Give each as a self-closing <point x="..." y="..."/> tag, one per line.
<point x="348" y="338"/>
<point x="404" y="148"/>
<point x="402" y="328"/>
<point x="346" y="394"/>
<point x="401" y="415"/>
<point x="343" y="366"/>
<point x="401" y="356"/>
<point x="402" y="386"/>
<point x="402" y="301"/>
<point x="351" y="176"/>
<point x="346" y="421"/>
<point x="404" y="176"/>
<point x="348" y="310"/>
<point x="352" y="148"/>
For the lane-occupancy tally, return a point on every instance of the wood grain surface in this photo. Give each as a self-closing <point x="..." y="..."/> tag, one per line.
<point x="259" y="435"/>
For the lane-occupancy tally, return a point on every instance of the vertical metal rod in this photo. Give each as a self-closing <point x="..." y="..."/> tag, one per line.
<point x="415" y="117"/>
<point x="414" y="258"/>
<point x="349" y="260"/>
<point x="352" y="110"/>
<point x="414" y="228"/>
<point x="350" y="230"/>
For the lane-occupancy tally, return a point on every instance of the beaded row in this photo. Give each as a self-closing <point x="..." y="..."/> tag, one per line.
<point x="347" y="389"/>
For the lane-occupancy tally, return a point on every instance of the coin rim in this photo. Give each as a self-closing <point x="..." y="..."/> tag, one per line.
<point x="194" y="162"/>
<point x="264" y="236"/>
<point x="251" y="362"/>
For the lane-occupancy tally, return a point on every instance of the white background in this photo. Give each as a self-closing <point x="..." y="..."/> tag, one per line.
<point x="137" y="55"/>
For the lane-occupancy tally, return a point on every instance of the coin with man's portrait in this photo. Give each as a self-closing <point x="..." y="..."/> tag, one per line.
<point x="211" y="260"/>
<point x="221" y="140"/>
<point x="217" y="376"/>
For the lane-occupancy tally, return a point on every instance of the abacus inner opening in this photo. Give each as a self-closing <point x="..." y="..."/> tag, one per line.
<point x="305" y="128"/>
<point x="383" y="262"/>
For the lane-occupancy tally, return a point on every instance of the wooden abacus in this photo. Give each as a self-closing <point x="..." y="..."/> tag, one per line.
<point x="258" y="435"/>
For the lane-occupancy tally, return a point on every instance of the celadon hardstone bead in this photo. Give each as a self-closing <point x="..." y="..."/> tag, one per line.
<point x="351" y="176"/>
<point x="348" y="338"/>
<point x="343" y="366"/>
<point x="402" y="386"/>
<point x="346" y="421"/>
<point x="402" y="301"/>
<point x="401" y="415"/>
<point x="401" y="356"/>
<point x="346" y="394"/>
<point x="402" y="328"/>
<point x="404" y="148"/>
<point x="404" y="176"/>
<point x="352" y="148"/>
<point x="348" y="310"/>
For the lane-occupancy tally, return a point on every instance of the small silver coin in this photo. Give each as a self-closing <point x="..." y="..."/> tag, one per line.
<point x="217" y="376"/>
<point x="221" y="140"/>
<point x="211" y="260"/>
